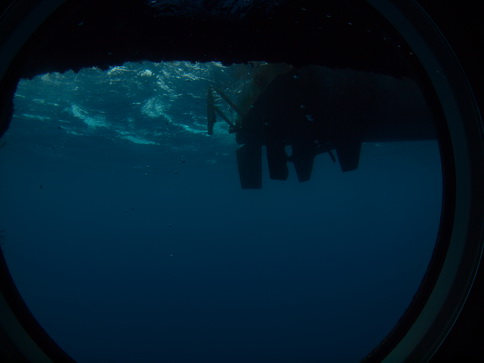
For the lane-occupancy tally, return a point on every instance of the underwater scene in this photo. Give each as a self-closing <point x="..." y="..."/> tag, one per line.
<point x="136" y="229"/>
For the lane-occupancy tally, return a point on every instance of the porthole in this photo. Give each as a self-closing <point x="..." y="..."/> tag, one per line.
<point x="332" y="204"/>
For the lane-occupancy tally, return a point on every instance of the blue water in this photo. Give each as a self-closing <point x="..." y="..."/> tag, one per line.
<point x="129" y="238"/>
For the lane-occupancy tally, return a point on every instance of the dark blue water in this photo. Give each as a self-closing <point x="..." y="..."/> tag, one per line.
<point x="130" y="239"/>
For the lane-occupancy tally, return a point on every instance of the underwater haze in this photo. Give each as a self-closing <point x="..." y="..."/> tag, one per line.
<point x="130" y="239"/>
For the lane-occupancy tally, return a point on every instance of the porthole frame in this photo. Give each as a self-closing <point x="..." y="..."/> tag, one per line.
<point x="432" y="315"/>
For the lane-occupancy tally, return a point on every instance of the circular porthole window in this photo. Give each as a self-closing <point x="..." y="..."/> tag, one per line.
<point x="233" y="181"/>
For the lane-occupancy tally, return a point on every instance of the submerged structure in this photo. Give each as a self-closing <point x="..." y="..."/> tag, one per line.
<point x="297" y="113"/>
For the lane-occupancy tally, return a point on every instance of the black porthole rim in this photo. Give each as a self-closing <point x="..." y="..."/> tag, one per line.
<point x="470" y="255"/>
<point x="460" y="241"/>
